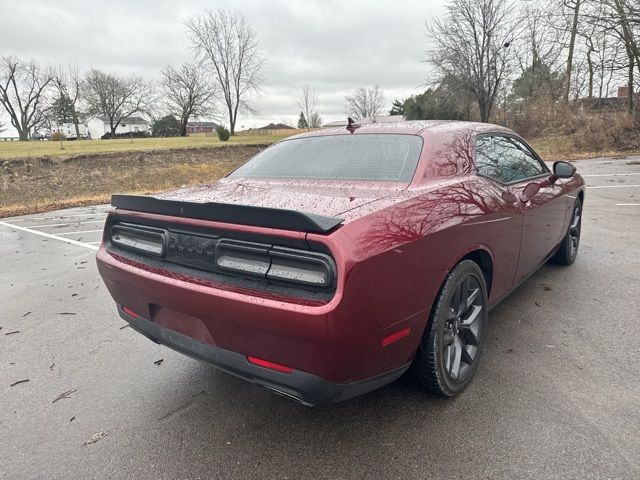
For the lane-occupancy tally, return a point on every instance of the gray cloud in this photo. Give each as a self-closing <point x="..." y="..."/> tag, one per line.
<point x="336" y="46"/>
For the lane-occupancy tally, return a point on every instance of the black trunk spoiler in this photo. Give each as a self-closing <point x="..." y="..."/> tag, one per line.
<point x="229" y="213"/>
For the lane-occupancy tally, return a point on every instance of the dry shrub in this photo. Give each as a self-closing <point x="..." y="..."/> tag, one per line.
<point x="587" y="130"/>
<point x="608" y="131"/>
<point x="90" y="178"/>
<point x="544" y="118"/>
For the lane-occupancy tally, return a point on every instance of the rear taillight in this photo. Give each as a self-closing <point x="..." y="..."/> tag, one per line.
<point x="148" y="241"/>
<point x="243" y="257"/>
<point x="250" y="259"/>
<point x="276" y="263"/>
<point x="297" y="266"/>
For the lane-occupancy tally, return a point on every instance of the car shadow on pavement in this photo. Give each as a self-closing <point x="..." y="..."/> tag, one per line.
<point x="513" y="405"/>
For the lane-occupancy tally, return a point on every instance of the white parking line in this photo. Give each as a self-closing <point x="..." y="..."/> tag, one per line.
<point x="627" y="204"/>
<point x="94" y="243"/>
<point x="610" y="174"/>
<point x="616" y="160"/>
<point x="48" y="235"/>
<point x="61" y="217"/>
<point x="611" y="186"/>
<point x="81" y="231"/>
<point x="65" y="224"/>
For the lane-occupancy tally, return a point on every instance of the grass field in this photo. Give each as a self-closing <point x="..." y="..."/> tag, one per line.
<point x="39" y="148"/>
<point x="562" y="148"/>
<point x="47" y="183"/>
<point x="38" y="176"/>
<point x="550" y="148"/>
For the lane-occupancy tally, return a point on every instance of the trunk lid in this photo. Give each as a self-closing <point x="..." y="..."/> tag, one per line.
<point x="324" y="198"/>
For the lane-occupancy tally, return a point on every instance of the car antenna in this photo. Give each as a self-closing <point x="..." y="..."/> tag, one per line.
<point x="352" y="126"/>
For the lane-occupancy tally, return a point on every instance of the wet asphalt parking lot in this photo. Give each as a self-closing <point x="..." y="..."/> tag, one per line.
<point x="557" y="393"/>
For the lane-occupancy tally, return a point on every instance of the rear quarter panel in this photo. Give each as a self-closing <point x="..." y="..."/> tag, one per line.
<point x="409" y="248"/>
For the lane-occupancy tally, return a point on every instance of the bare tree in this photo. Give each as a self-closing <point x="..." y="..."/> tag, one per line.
<point x="590" y="62"/>
<point x="608" y="52"/>
<point x="226" y="43"/>
<point x="116" y="97"/>
<point x="619" y="21"/>
<point x="23" y="93"/>
<point x="542" y="36"/>
<point x="573" y="7"/>
<point x="365" y="102"/>
<point x="596" y="51"/>
<point x="69" y="86"/>
<point x="187" y="93"/>
<point x="471" y="44"/>
<point x="315" y="121"/>
<point x="308" y="102"/>
<point x="624" y="16"/>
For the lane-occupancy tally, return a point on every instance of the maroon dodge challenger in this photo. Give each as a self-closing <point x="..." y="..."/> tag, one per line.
<point x="334" y="262"/>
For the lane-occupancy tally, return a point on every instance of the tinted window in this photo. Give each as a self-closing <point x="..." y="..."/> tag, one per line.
<point x="506" y="159"/>
<point x="340" y="157"/>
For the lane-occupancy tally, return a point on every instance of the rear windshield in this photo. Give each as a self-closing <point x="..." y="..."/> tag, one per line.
<point x="340" y="157"/>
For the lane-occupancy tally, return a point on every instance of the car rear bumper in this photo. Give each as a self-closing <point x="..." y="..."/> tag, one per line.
<point x="306" y="388"/>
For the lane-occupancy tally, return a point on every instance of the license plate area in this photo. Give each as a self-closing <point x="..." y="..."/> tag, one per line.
<point x="182" y="323"/>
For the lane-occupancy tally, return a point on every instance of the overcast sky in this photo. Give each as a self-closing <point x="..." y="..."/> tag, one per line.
<point x="334" y="45"/>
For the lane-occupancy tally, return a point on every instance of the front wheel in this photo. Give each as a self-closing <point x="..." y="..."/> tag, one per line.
<point x="451" y="345"/>
<point x="568" y="250"/>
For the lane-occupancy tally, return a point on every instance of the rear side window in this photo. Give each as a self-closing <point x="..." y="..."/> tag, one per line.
<point x="506" y="159"/>
<point x="373" y="157"/>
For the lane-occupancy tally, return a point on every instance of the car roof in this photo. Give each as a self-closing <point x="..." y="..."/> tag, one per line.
<point x="411" y="127"/>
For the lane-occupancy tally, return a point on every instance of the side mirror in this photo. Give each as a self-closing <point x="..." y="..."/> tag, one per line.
<point x="563" y="170"/>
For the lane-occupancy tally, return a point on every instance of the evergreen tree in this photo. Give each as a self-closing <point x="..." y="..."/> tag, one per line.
<point x="446" y="101"/>
<point x="397" y="108"/>
<point x="538" y="82"/>
<point x="167" y="126"/>
<point x="302" y="121"/>
<point x="62" y="110"/>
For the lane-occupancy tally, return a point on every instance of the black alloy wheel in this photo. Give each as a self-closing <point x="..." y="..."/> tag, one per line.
<point x="568" y="250"/>
<point x="452" y="343"/>
<point x="574" y="230"/>
<point x="463" y="329"/>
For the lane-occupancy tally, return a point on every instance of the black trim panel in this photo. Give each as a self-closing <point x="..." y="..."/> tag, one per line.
<point x="304" y="387"/>
<point x="229" y="213"/>
<point x="266" y="262"/>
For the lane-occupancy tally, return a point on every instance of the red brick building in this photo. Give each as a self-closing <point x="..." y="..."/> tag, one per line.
<point x="201" y="127"/>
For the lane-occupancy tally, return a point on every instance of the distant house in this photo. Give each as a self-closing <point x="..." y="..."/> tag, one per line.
<point x="69" y="129"/>
<point x="382" y="119"/>
<point x="337" y="123"/>
<point x="366" y="120"/>
<point x="275" y="126"/>
<point x="9" y="135"/>
<point x="271" y="129"/>
<point x="619" y="102"/>
<point x="97" y="126"/>
<point x="201" y="127"/>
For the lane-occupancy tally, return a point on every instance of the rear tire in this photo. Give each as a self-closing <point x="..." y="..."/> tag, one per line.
<point x="450" y="349"/>
<point x="568" y="250"/>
